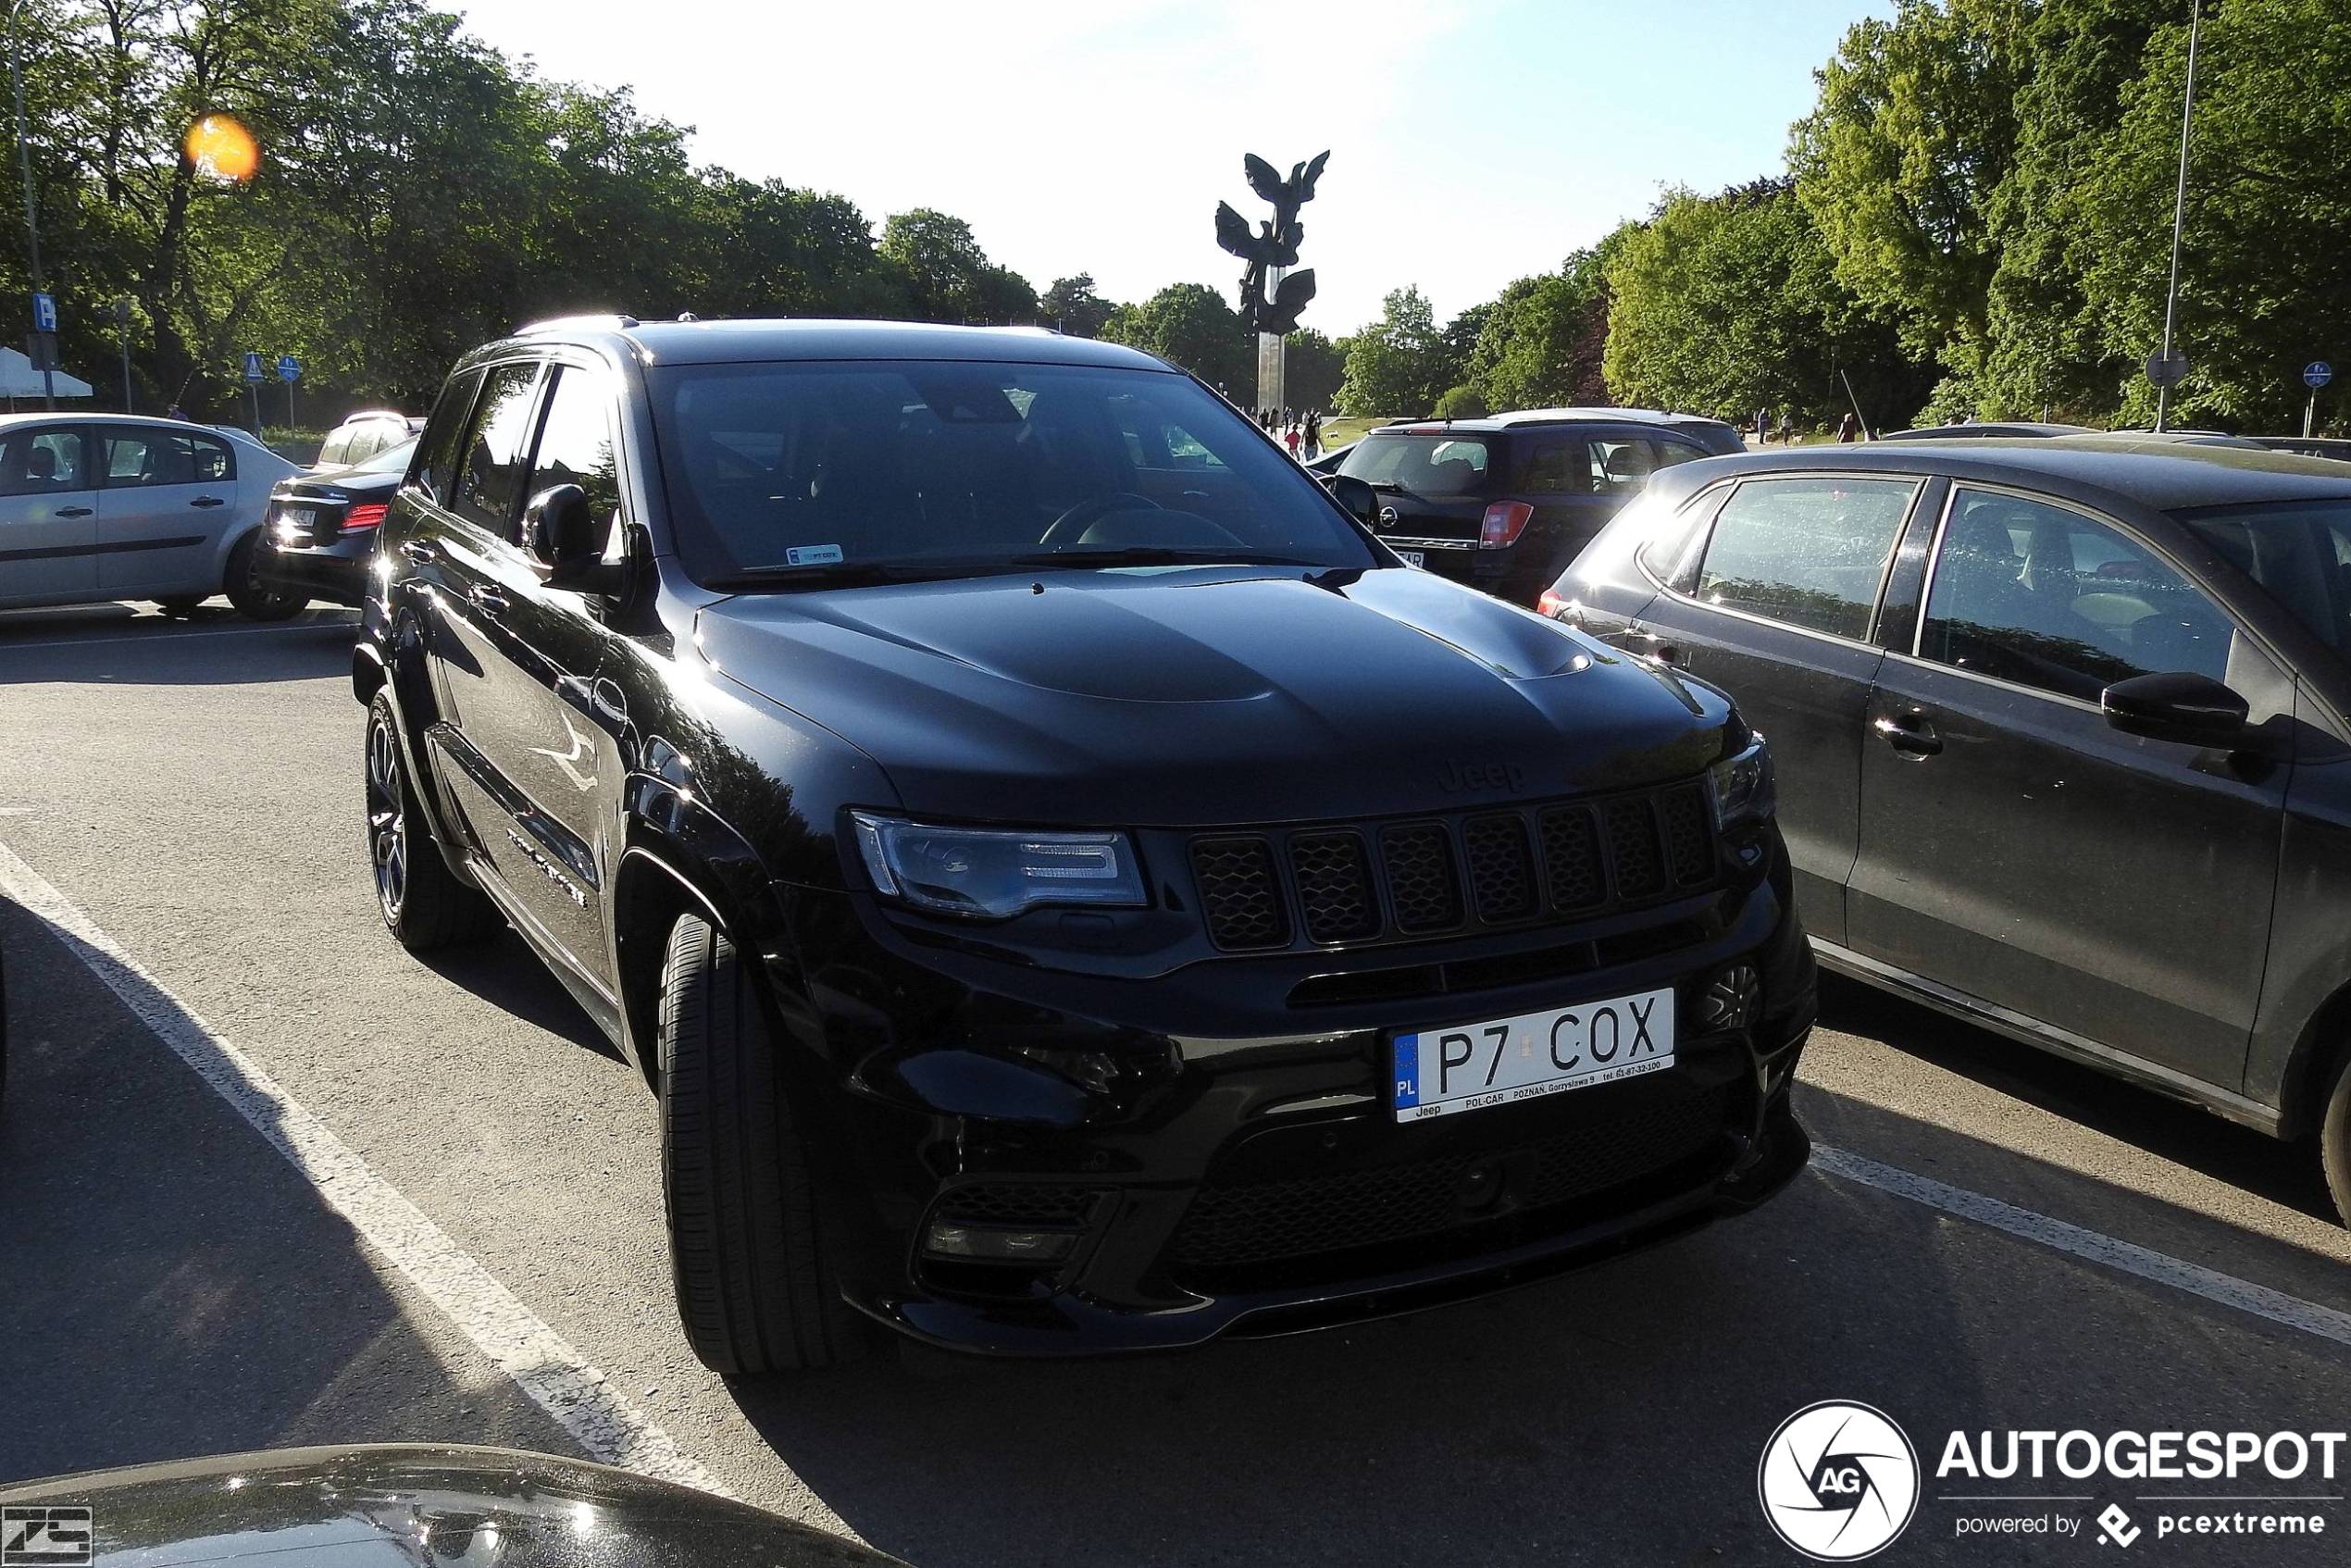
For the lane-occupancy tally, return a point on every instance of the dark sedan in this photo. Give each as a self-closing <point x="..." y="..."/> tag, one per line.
<point x="320" y="531"/>
<point x="2064" y="737"/>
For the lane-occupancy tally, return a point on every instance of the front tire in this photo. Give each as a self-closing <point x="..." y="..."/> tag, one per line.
<point x="2334" y="1137"/>
<point x="254" y="599"/>
<point x="748" y="1238"/>
<point x="423" y="905"/>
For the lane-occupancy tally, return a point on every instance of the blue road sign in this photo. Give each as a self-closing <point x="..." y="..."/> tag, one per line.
<point x="2318" y="373"/>
<point x="44" y="312"/>
<point x="289" y="367"/>
<point x="252" y="368"/>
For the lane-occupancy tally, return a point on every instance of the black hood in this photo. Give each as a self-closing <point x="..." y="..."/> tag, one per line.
<point x="418" y="1505"/>
<point x="1149" y="698"/>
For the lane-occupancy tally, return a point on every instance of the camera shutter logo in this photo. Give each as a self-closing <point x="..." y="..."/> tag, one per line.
<point x="1839" y="1481"/>
<point x="36" y="1536"/>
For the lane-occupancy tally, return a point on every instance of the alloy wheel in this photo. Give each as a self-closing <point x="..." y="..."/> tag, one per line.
<point x="387" y="819"/>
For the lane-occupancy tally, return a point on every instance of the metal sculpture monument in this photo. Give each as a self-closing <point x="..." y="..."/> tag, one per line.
<point x="1272" y="295"/>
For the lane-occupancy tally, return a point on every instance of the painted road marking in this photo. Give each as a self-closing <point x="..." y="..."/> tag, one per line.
<point x="2291" y="1312"/>
<point x="558" y="1378"/>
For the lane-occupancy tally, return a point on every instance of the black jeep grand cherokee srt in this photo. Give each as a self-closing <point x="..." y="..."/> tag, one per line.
<point x="1070" y="888"/>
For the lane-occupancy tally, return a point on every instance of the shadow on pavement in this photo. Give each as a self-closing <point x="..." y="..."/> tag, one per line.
<point x="506" y="974"/>
<point x="2284" y="1174"/>
<point x="211" y="647"/>
<point x="173" y="1286"/>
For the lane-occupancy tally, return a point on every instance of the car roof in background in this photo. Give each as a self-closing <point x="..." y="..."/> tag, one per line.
<point x="1987" y="431"/>
<point x="752" y="341"/>
<point x="2161" y="475"/>
<point x="1493" y="423"/>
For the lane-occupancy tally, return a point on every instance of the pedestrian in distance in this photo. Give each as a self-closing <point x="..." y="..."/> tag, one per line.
<point x="1763" y="426"/>
<point x="1788" y="429"/>
<point x="1848" y="428"/>
<point x="1313" y="434"/>
<point x="1290" y="438"/>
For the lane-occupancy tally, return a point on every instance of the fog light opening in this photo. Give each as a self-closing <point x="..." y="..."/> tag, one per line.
<point x="948" y="1238"/>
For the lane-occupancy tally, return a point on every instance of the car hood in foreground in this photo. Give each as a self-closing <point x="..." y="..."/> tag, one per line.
<point x="1205" y="695"/>
<point x="401" y="1504"/>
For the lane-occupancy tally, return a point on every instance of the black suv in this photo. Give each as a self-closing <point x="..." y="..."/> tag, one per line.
<point x="1505" y="504"/>
<point x="1069" y="887"/>
<point x="2065" y="730"/>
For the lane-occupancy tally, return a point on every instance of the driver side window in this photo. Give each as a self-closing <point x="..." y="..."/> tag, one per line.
<point x="2049" y="597"/>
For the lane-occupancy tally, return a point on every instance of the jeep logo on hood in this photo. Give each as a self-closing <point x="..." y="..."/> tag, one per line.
<point x="1461" y="777"/>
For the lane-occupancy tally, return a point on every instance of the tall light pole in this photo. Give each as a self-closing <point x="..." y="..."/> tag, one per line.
<point x="31" y="219"/>
<point x="2179" y="213"/>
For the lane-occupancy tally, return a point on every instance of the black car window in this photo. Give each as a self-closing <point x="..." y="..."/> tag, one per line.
<point x="37" y="462"/>
<point x="2045" y="597"/>
<point x="489" y="477"/>
<point x="444" y="436"/>
<point x="2299" y="552"/>
<point x="1557" y="466"/>
<point x="1811" y="552"/>
<point x="952" y="465"/>
<point x="1426" y="463"/>
<point x="138" y="455"/>
<point x="575" y="441"/>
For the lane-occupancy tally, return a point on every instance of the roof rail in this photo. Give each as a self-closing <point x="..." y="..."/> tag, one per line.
<point x="586" y="318"/>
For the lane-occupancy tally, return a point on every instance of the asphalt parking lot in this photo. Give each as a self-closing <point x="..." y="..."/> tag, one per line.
<point x="184" y="794"/>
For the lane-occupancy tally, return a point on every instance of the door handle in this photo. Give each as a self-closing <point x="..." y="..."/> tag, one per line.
<point x="207" y="501"/>
<point x="1648" y="645"/>
<point x="1909" y="734"/>
<point x="487" y="598"/>
<point x="75" y="511"/>
<point x="417" y="549"/>
<point x="607" y="699"/>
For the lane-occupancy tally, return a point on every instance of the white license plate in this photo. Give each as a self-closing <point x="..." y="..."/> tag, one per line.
<point x="1411" y="558"/>
<point x="1478" y="1065"/>
<point x="298" y="516"/>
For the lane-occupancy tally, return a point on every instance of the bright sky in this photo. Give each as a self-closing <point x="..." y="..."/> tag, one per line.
<point x="1472" y="140"/>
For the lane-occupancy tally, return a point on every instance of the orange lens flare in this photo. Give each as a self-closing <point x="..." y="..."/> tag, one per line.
<point x="222" y="148"/>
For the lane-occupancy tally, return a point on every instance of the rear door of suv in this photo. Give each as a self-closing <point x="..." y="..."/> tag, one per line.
<point x="1434" y="485"/>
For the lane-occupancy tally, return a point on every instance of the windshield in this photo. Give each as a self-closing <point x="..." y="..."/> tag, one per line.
<point x="952" y="468"/>
<point x="1425" y="465"/>
<point x="2298" y="550"/>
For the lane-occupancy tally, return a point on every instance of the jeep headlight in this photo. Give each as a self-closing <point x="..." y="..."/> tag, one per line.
<point x="992" y="873"/>
<point x="1743" y="784"/>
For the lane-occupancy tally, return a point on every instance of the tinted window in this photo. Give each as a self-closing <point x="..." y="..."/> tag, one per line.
<point x="444" y="436"/>
<point x="2049" y="597"/>
<point x="1597" y="466"/>
<point x="390" y="460"/>
<point x="1810" y="551"/>
<point x="575" y="441"/>
<point x="911" y="462"/>
<point x="335" y="450"/>
<point x="138" y="456"/>
<point x="2300" y="553"/>
<point x="1425" y="465"/>
<point x="490" y="475"/>
<point x="36" y="462"/>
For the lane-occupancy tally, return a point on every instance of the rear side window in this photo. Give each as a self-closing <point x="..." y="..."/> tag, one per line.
<point x="444" y="436"/>
<point x="491" y="473"/>
<point x="137" y="457"/>
<point x="335" y="450"/>
<point x="1425" y="465"/>
<point x="1808" y="551"/>
<point x="1598" y="464"/>
<point x="37" y="462"/>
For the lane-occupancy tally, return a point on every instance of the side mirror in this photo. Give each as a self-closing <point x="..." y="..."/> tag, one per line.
<point x="567" y="542"/>
<point x="2194" y="710"/>
<point x="1357" y="496"/>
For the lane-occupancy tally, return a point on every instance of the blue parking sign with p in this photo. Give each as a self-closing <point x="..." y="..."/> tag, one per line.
<point x="44" y="312"/>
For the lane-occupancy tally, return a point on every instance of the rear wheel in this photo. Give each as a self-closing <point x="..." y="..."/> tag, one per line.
<point x="254" y="599"/>
<point x="748" y="1232"/>
<point x="2334" y="1137"/>
<point x="423" y="903"/>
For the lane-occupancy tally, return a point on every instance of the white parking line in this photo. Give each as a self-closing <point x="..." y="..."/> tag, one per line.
<point x="2292" y="1311"/>
<point x="558" y="1378"/>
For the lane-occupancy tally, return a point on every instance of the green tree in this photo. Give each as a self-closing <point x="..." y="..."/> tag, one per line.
<point x="1071" y="306"/>
<point x="1312" y="369"/>
<point x="1900" y="163"/>
<point x="1543" y="340"/>
<point x="1395" y="365"/>
<point x="1730" y="303"/>
<point x="1191" y="325"/>
<point x="949" y="278"/>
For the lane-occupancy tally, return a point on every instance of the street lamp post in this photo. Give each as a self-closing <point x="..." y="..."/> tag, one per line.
<point x="31" y="219"/>
<point x="2179" y="213"/>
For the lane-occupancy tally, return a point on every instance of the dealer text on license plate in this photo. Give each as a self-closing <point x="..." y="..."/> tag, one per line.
<point x="1477" y="1065"/>
<point x="1411" y="558"/>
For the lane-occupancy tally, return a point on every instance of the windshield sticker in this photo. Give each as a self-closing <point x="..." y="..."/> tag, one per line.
<point x="812" y="554"/>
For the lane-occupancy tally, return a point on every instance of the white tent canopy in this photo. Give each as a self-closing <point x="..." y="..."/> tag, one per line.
<point x="19" y="378"/>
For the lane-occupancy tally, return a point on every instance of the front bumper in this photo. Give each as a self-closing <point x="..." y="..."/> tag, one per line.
<point x="1212" y="1181"/>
